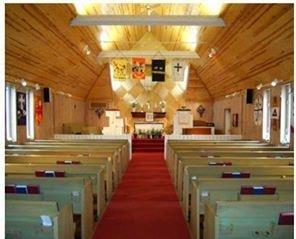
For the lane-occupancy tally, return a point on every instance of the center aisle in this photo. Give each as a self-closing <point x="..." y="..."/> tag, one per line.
<point x="145" y="205"/>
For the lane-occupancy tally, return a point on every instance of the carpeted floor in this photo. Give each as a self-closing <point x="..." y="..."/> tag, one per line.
<point x="145" y="205"/>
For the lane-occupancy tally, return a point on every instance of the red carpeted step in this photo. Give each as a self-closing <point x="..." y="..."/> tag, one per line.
<point x="145" y="204"/>
<point x="148" y="145"/>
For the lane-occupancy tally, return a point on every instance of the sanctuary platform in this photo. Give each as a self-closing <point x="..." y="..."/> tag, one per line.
<point x="148" y="145"/>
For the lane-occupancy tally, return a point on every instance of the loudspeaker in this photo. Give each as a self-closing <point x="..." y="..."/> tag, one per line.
<point x="46" y="94"/>
<point x="250" y="96"/>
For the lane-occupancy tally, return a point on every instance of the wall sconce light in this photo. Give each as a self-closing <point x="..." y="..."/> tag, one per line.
<point x="274" y="82"/>
<point x="37" y="86"/>
<point x="23" y="82"/>
<point x="212" y="52"/>
<point x="259" y="86"/>
<point x="87" y="50"/>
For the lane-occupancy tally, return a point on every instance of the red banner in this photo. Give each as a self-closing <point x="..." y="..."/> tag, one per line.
<point x="138" y="68"/>
<point x="38" y="109"/>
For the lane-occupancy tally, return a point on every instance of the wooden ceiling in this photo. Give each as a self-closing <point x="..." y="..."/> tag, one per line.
<point x="255" y="46"/>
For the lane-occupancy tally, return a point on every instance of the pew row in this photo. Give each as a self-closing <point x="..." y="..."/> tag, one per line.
<point x="63" y="159"/>
<point x="77" y="191"/>
<point x="74" y="153"/>
<point x="210" y="190"/>
<point x="224" y="162"/>
<point x="119" y="148"/>
<point x="230" y="172"/>
<point x="23" y="220"/>
<point x="245" y="220"/>
<point x="95" y="174"/>
<point x="172" y="164"/>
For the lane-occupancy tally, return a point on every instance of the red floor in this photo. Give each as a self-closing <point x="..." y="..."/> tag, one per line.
<point x="145" y="205"/>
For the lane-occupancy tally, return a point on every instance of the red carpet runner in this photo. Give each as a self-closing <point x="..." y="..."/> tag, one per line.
<point x="145" y="205"/>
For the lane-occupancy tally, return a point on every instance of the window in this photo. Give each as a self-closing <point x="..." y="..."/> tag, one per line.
<point x="10" y="113"/>
<point x="286" y="110"/>
<point x="30" y="114"/>
<point x="266" y="115"/>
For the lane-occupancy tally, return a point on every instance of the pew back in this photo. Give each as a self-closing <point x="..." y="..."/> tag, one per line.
<point x="77" y="191"/>
<point x="210" y="190"/>
<point x="95" y="174"/>
<point x="22" y="220"/>
<point x="245" y="220"/>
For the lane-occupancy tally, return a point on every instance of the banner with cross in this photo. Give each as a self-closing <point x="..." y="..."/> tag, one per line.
<point x="21" y="108"/>
<point x="178" y="69"/>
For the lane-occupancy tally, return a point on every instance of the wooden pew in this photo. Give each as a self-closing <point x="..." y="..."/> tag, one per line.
<point x="210" y="190"/>
<point x="22" y="220"/>
<point x="245" y="220"/>
<point x="78" y="149"/>
<point x="54" y="159"/>
<point x="73" y="153"/>
<point x="123" y="144"/>
<point x="241" y="161"/>
<point x="231" y="153"/>
<point x="96" y="174"/>
<point x="172" y="143"/>
<point x="74" y="190"/>
<point x="196" y="172"/>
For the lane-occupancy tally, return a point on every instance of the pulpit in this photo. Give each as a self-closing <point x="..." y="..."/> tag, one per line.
<point x="182" y="119"/>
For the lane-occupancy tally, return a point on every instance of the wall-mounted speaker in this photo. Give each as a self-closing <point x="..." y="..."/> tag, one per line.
<point x="46" y="94"/>
<point x="250" y="93"/>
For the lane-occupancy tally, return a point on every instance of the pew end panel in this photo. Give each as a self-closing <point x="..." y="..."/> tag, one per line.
<point x="245" y="220"/>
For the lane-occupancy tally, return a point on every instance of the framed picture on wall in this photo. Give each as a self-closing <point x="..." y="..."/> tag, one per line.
<point x="235" y="120"/>
<point x="149" y="116"/>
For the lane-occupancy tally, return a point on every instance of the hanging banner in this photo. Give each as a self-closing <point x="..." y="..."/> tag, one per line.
<point x="158" y="70"/>
<point x="178" y="70"/>
<point x="138" y="68"/>
<point x="21" y="108"/>
<point x="38" y="109"/>
<point x="119" y="69"/>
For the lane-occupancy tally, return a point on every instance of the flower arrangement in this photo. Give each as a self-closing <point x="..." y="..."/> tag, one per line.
<point x="150" y="134"/>
<point x="162" y="105"/>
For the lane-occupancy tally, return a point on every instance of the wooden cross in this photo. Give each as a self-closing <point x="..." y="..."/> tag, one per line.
<point x="178" y="67"/>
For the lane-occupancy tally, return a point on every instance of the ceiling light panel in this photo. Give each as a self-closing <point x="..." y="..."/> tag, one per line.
<point x="177" y="20"/>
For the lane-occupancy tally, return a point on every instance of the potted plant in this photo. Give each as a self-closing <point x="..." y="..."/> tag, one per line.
<point x="153" y="133"/>
<point x="140" y="134"/>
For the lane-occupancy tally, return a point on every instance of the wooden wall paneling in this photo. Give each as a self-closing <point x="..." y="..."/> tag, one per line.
<point x="235" y="105"/>
<point x="67" y="110"/>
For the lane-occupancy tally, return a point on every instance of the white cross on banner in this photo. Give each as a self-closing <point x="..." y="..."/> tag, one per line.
<point x="178" y="70"/>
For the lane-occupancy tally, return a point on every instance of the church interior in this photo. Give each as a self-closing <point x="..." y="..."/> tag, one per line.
<point x="149" y="120"/>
